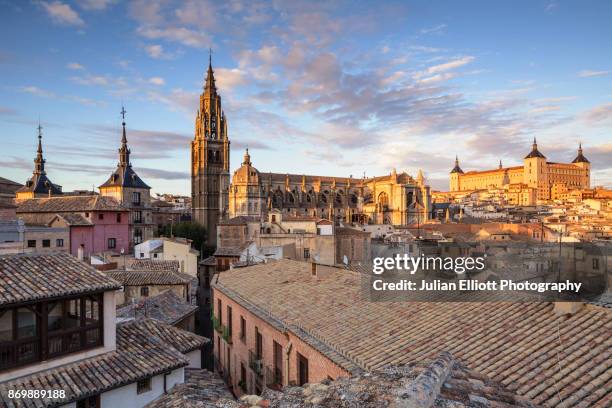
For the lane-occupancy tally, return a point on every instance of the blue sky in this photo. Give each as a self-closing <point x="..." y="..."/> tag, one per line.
<point x="334" y="87"/>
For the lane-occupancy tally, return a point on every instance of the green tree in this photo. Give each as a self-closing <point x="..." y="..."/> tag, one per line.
<point x="190" y="230"/>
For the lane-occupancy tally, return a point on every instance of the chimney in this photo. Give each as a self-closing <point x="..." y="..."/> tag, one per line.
<point x="567" y="308"/>
<point x="313" y="268"/>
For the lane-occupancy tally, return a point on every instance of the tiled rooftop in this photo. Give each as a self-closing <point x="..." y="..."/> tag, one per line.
<point x="202" y="389"/>
<point x="443" y="382"/>
<point x="154" y="265"/>
<point x="74" y="219"/>
<point x="166" y="307"/>
<point x="550" y="359"/>
<point x="70" y="204"/>
<point x="140" y="278"/>
<point x="142" y="351"/>
<point x="36" y="276"/>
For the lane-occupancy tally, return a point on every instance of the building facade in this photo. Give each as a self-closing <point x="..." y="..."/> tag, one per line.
<point x="210" y="158"/>
<point x="126" y="187"/>
<point x="549" y="179"/>
<point x="397" y="199"/>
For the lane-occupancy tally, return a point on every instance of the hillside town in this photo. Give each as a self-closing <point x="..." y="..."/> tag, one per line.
<point x="253" y="290"/>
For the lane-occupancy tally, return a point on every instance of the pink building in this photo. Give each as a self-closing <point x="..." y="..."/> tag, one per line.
<point x="96" y="223"/>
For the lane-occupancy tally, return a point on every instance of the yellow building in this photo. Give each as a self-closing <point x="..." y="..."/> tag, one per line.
<point x="396" y="199"/>
<point x="549" y="179"/>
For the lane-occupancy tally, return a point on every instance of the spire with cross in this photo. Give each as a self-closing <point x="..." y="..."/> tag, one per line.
<point x="124" y="151"/>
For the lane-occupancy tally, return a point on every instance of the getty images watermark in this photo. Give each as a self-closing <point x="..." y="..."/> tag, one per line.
<point x="541" y="273"/>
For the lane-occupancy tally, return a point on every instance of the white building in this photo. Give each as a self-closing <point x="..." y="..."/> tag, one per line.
<point x="58" y="331"/>
<point x="170" y="249"/>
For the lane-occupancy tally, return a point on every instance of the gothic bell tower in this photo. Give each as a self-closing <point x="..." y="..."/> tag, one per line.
<point x="210" y="156"/>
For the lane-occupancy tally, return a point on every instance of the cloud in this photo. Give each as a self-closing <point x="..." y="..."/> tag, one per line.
<point x="75" y="66"/>
<point x="155" y="51"/>
<point x="34" y="90"/>
<point x="433" y="30"/>
<point x="62" y="13"/>
<point x="228" y="79"/>
<point x="598" y="114"/>
<point x="588" y="73"/>
<point x="447" y="66"/>
<point x="5" y="111"/>
<point x="157" y="81"/>
<point x="95" y="4"/>
<point x="546" y="108"/>
<point x="185" y="36"/>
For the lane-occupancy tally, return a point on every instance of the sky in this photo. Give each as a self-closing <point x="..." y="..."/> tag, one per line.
<point x="333" y="88"/>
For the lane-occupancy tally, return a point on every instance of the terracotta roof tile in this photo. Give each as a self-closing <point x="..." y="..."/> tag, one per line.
<point x="139" y="278"/>
<point x="166" y="307"/>
<point x="69" y="204"/>
<point x="36" y="276"/>
<point x="524" y="346"/>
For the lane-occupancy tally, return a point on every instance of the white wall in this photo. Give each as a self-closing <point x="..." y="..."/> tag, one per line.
<point x="145" y="248"/>
<point x="127" y="397"/>
<point x="195" y="358"/>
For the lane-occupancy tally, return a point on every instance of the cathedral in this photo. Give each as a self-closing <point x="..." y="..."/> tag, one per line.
<point x="396" y="198"/>
<point x="210" y="157"/>
<point x="549" y="180"/>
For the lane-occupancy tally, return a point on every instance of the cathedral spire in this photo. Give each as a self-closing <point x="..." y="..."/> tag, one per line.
<point x="500" y="165"/>
<point x="580" y="158"/>
<point x="40" y="160"/>
<point x="209" y="86"/>
<point x="124" y="151"/>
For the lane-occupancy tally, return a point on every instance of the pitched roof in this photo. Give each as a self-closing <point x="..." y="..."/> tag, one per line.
<point x="524" y="346"/>
<point x="125" y="176"/>
<point x="201" y="389"/>
<point x="442" y="382"/>
<point x="142" y="352"/>
<point x="154" y="265"/>
<point x="73" y="219"/>
<point x="69" y="204"/>
<point x="29" y="277"/>
<point x="140" y="278"/>
<point x="166" y="307"/>
<point x="182" y="340"/>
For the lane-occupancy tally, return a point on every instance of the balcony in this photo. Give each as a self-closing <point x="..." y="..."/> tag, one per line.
<point x="256" y="363"/>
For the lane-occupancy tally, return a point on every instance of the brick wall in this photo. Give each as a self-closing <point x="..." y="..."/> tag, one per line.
<point x="319" y="366"/>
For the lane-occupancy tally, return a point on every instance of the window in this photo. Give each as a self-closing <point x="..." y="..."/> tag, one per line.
<point x="112" y="243"/>
<point x="144" y="291"/>
<point x="89" y="402"/>
<point x="258" y="345"/>
<point x="100" y="216"/>
<point x="136" y="198"/>
<point x="595" y="263"/>
<point x="242" y="329"/>
<point x="137" y="217"/>
<point x="46" y="243"/>
<point x="242" y="383"/>
<point x="119" y="217"/>
<point x="72" y="325"/>
<point x="220" y="310"/>
<point x="31" y="243"/>
<point x="142" y="254"/>
<point x="302" y="369"/>
<point x="306" y="253"/>
<point x="277" y="353"/>
<point x="59" y="243"/>
<point x="229" y="320"/>
<point x="143" y="386"/>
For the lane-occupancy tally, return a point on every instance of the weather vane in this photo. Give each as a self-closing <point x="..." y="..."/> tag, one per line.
<point x="123" y="112"/>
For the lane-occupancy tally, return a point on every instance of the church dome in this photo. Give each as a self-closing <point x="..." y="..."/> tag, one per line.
<point x="246" y="174"/>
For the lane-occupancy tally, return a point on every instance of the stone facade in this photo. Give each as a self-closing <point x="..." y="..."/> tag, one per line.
<point x="397" y="199"/>
<point x="210" y="158"/>
<point x="549" y="179"/>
